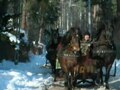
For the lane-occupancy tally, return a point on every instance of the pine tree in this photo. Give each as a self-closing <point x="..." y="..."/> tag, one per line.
<point x="11" y="37"/>
<point x="42" y="13"/>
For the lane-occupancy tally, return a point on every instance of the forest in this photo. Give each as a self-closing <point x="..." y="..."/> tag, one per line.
<point x="36" y="17"/>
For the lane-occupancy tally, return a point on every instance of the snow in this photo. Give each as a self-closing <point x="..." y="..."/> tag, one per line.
<point x="12" y="37"/>
<point x="34" y="76"/>
<point x="25" y="76"/>
<point x="25" y="38"/>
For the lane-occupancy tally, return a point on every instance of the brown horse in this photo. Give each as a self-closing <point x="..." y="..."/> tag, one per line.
<point x="69" y="55"/>
<point x="103" y="50"/>
<point x="86" y="67"/>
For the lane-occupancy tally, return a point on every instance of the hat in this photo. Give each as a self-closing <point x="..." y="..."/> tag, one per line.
<point x="87" y="33"/>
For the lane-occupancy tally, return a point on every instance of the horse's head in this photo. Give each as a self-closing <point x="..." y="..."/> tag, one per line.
<point x="75" y="40"/>
<point x="52" y="38"/>
<point x="105" y="33"/>
<point x="55" y="36"/>
<point x="69" y="34"/>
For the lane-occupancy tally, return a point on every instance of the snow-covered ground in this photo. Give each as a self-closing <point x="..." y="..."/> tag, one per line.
<point x="34" y="76"/>
<point x="25" y="76"/>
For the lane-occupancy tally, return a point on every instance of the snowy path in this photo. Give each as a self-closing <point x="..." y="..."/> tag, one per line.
<point x="25" y="76"/>
<point x="33" y="76"/>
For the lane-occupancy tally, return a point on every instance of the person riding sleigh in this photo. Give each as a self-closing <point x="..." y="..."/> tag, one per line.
<point x="85" y="44"/>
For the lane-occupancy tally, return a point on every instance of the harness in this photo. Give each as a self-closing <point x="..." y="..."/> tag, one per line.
<point x="100" y="45"/>
<point x="65" y="52"/>
<point x="68" y="54"/>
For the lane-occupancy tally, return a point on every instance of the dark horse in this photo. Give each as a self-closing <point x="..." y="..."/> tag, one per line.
<point x="68" y="54"/>
<point x="103" y="50"/>
<point x="51" y="47"/>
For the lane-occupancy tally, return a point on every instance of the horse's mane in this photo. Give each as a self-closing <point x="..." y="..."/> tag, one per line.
<point x="101" y="36"/>
<point x="68" y="35"/>
<point x="99" y="32"/>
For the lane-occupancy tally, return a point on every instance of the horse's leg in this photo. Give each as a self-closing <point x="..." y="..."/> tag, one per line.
<point x="107" y="75"/>
<point x="99" y="79"/>
<point x="66" y="79"/>
<point x="53" y="66"/>
<point x="54" y="72"/>
<point x="74" y="80"/>
<point x="69" y="78"/>
<point x="101" y="76"/>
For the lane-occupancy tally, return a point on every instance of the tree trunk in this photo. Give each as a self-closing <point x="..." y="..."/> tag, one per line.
<point x="24" y="16"/>
<point x="118" y="7"/>
<point x="116" y="33"/>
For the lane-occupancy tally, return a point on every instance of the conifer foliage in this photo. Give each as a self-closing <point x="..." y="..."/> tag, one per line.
<point x="12" y="44"/>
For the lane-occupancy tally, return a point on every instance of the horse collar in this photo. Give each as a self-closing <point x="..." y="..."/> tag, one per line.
<point x="71" y="55"/>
